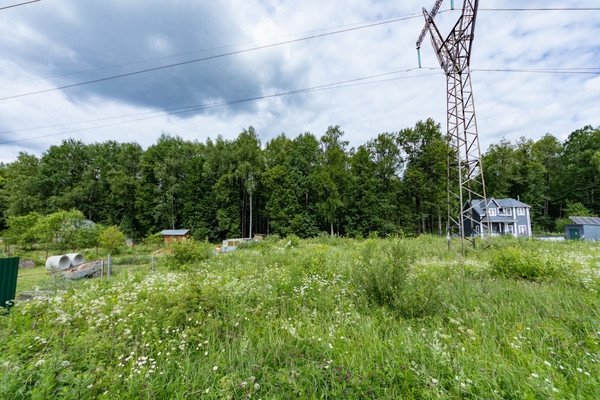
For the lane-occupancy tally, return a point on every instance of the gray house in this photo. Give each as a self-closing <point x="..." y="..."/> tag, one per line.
<point x="506" y="217"/>
<point x="587" y="228"/>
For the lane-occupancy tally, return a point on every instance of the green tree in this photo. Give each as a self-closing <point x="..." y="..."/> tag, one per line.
<point x="363" y="202"/>
<point x="248" y="166"/>
<point x="21" y="192"/>
<point x="548" y="151"/>
<point x="580" y="182"/>
<point x="389" y="163"/>
<point x="499" y="169"/>
<point x="199" y="206"/>
<point x="425" y="175"/>
<point x="218" y="168"/>
<point x="281" y="191"/>
<point x="22" y="230"/>
<point x="162" y="174"/>
<point x="112" y="238"/>
<point x="62" y="181"/>
<point x="332" y="177"/>
<point x="114" y="173"/>
<point x="289" y="181"/>
<point x="59" y="229"/>
<point x="572" y="210"/>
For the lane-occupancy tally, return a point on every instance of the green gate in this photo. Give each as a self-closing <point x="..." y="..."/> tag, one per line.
<point x="9" y="269"/>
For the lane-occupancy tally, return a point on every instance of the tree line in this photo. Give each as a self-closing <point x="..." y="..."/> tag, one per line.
<point x="307" y="185"/>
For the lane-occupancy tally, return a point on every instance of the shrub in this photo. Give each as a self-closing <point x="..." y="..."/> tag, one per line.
<point x="387" y="276"/>
<point x="292" y="240"/>
<point x="272" y="238"/>
<point x="156" y="239"/>
<point x="111" y="238"/>
<point x="382" y="272"/>
<point x="516" y="262"/>
<point x="187" y="253"/>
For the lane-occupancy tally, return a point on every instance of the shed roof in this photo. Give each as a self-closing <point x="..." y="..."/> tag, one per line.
<point x="585" y="220"/>
<point x="175" y="232"/>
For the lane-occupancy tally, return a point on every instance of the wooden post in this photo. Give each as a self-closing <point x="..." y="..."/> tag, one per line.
<point x="153" y="255"/>
<point x="108" y="268"/>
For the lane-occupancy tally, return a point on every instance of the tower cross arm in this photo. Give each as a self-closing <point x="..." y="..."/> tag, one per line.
<point x="432" y="14"/>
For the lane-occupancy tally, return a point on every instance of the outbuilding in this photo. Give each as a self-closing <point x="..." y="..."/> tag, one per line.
<point x="175" y="235"/>
<point x="586" y="228"/>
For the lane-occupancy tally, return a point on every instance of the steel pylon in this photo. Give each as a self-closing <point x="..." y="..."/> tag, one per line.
<point x="466" y="186"/>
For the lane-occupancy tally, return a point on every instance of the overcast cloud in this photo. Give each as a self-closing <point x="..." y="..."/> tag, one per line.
<point x="203" y="60"/>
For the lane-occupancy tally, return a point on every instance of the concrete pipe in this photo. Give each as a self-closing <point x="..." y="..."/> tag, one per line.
<point x="58" y="263"/>
<point x="75" y="259"/>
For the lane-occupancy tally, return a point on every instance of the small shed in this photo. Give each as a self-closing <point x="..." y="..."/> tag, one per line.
<point x="586" y="228"/>
<point x="175" y="235"/>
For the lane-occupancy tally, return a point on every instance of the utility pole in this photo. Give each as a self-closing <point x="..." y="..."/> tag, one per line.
<point x="466" y="187"/>
<point x="251" y="186"/>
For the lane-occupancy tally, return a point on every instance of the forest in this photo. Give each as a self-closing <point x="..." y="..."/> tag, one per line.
<point x="393" y="184"/>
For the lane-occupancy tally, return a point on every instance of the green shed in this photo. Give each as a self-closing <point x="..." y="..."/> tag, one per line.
<point x="9" y="269"/>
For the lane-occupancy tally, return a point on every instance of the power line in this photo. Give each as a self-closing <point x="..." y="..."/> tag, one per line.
<point x="216" y="56"/>
<point x="368" y="80"/>
<point x="227" y="54"/>
<point x="170" y="56"/>
<point x="19" y="4"/>
<point x="187" y="109"/>
<point x="543" y="9"/>
<point x="569" y="71"/>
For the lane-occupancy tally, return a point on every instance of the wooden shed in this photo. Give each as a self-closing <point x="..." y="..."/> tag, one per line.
<point x="175" y="235"/>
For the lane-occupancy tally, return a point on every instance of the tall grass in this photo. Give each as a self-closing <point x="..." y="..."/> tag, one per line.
<point x="322" y="318"/>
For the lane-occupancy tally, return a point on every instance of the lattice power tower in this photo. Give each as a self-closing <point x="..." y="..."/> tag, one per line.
<point x="466" y="186"/>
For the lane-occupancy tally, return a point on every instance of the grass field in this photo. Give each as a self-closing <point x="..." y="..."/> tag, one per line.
<point x="321" y="318"/>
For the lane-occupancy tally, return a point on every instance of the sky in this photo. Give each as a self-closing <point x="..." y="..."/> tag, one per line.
<point x="99" y="70"/>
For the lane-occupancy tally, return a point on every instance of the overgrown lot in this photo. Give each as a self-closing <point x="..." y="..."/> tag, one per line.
<point x="321" y="318"/>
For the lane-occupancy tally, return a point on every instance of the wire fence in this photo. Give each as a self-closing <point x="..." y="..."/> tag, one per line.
<point x="53" y="280"/>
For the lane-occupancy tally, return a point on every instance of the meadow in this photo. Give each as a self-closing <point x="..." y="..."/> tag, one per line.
<point x="325" y="318"/>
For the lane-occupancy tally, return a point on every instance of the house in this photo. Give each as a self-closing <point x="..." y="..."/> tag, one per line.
<point x="175" y="235"/>
<point x="506" y="217"/>
<point x="587" y="228"/>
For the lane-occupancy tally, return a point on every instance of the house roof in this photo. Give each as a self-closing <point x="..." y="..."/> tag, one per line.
<point x="478" y="205"/>
<point x="585" y="220"/>
<point x="175" y="232"/>
<point x="510" y="203"/>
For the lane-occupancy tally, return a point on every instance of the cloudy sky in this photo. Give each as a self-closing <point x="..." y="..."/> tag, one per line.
<point x="97" y="70"/>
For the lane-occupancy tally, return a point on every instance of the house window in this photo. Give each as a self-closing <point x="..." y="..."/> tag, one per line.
<point x="520" y="211"/>
<point x="508" y="211"/>
<point x="492" y="212"/>
<point x="522" y="229"/>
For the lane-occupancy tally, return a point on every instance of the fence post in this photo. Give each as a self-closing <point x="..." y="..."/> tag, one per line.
<point x="108" y="268"/>
<point x="153" y="255"/>
<point x="102" y="270"/>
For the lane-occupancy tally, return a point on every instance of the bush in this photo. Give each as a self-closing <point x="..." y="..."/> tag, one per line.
<point x="111" y="238"/>
<point x="292" y="240"/>
<point x="516" y="262"/>
<point x="387" y="276"/>
<point x="156" y="239"/>
<point x="272" y="238"/>
<point x="187" y="253"/>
